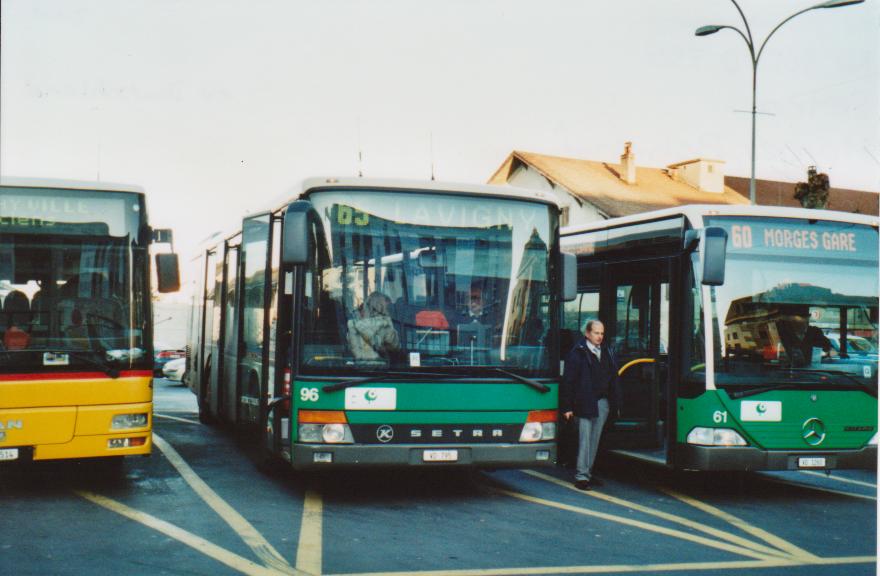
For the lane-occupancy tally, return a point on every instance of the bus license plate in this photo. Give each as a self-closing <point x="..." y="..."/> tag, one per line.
<point x="811" y="462"/>
<point x="440" y="456"/>
<point x="9" y="454"/>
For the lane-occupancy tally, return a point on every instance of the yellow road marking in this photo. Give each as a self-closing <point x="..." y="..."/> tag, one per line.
<point x="771" y="539"/>
<point x="732" y="538"/>
<point x="198" y="543"/>
<point x="623" y="568"/>
<point x="236" y="521"/>
<point x="309" y="552"/>
<point x="167" y="417"/>
<point x="639" y="524"/>
<point x="840" y="479"/>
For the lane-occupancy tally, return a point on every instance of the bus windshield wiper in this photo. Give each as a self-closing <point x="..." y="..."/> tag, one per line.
<point x="539" y="386"/>
<point x="381" y="376"/>
<point x="794" y="385"/>
<point x="857" y="382"/>
<point x="106" y="368"/>
<point x="761" y="390"/>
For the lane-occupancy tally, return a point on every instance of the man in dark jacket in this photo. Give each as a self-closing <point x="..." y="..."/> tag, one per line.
<point x="589" y="391"/>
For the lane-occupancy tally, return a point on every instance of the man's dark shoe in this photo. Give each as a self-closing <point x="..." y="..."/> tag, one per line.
<point x="596" y="482"/>
<point x="583" y="485"/>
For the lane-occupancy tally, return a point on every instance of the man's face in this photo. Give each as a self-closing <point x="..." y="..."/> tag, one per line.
<point x="596" y="334"/>
<point x="476" y="304"/>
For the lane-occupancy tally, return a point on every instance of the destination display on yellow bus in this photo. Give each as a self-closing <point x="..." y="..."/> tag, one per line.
<point x="797" y="238"/>
<point x="86" y="213"/>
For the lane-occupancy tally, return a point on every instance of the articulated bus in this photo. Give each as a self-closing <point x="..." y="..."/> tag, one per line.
<point x="369" y="322"/>
<point x="75" y="323"/>
<point x="747" y="336"/>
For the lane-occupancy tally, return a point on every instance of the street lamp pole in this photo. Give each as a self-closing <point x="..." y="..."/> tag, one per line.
<point x="756" y="56"/>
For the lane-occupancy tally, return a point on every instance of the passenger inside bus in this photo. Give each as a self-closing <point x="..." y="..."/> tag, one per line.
<point x="16" y="316"/>
<point x="371" y="334"/>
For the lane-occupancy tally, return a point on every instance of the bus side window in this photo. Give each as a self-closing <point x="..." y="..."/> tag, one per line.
<point x="575" y="316"/>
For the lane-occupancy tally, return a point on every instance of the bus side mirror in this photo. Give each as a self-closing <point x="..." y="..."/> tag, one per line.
<point x="295" y="249"/>
<point x="569" y="277"/>
<point x="168" y="272"/>
<point x="713" y="252"/>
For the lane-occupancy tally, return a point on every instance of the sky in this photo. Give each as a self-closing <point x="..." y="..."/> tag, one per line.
<point x="220" y="107"/>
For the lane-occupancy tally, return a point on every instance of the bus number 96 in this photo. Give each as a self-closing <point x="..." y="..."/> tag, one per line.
<point x="308" y="394"/>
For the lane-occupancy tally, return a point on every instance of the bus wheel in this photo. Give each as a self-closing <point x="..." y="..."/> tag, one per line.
<point x="267" y="460"/>
<point x="204" y="408"/>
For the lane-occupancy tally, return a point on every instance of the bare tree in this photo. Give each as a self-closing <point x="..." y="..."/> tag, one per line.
<point x="814" y="192"/>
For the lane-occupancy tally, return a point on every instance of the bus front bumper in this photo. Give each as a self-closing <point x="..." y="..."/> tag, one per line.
<point x="315" y="456"/>
<point x="689" y="457"/>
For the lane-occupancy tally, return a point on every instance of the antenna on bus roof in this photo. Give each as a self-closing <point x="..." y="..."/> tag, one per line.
<point x="431" y="144"/>
<point x="360" y="151"/>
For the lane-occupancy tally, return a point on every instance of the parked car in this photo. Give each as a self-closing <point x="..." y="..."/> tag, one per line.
<point x="175" y="369"/>
<point x="854" y="344"/>
<point x="163" y="354"/>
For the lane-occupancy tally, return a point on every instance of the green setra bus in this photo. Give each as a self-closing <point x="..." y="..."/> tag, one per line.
<point x="368" y="322"/>
<point x="747" y="336"/>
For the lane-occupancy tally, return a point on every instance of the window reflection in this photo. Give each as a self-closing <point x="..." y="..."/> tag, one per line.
<point x="426" y="280"/>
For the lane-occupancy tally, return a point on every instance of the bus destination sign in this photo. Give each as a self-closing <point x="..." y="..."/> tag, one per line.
<point x="789" y="237"/>
<point x="41" y="214"/>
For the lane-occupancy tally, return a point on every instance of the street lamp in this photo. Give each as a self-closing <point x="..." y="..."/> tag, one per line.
<point x="747" y="36"/>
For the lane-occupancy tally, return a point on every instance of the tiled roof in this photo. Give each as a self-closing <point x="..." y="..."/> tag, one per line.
<point x="774" y="193"/>
<point x="599" y="183"/>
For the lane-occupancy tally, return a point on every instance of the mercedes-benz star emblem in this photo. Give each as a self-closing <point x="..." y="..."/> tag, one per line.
<point x="813" y="432"/>
<point x="385" y="433"/>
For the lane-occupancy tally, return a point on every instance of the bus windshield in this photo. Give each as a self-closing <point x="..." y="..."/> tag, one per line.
<point x="450" y="282"/>
<point x="71" y="280"/>
<point x="799" y="305"/>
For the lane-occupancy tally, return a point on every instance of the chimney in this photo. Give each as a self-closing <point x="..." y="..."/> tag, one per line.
<point x="628" y="164"/>
<point x="703" y="174"/>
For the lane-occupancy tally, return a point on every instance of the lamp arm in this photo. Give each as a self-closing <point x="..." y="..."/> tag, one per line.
<point x="778" y="26"/>
<point x="745" y="38"/>
<point x="748" y="40"/>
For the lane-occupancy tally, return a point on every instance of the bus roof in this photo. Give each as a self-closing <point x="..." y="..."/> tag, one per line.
<point x="695" y="212"/>
<point x="401" y="185"/>
<point x="20" y="182"/>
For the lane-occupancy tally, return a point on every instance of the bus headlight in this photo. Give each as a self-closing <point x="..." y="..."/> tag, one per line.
<point x="531" y="432"/>
<point x="324" y="427"/>
<point x="121" y="421"/>
<point x="715" y="437"/>
<point x="540" y="426"/>
<point x="326" y="433"/>
<point x="337" y="434"/>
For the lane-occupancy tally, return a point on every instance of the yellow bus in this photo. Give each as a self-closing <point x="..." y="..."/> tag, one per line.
<point x="75" y="320"/>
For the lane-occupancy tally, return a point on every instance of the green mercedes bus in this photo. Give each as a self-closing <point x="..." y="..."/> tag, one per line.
<point x="366" y="322"/>
<point x="746" y="335"/>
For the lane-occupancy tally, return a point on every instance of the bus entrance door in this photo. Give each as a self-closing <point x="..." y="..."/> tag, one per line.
<point x="636" y="304"/>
